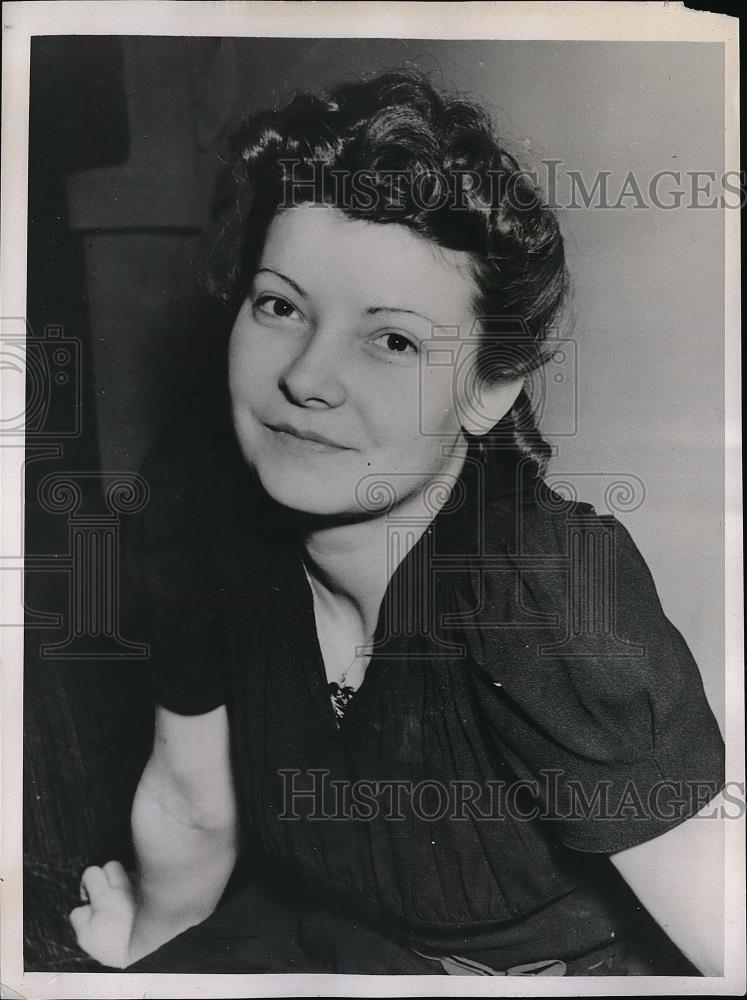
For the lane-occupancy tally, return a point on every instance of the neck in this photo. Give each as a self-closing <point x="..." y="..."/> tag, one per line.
<point x="351" y="563"/>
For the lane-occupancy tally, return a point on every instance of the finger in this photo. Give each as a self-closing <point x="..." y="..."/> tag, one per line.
<point x="116" y="875"/>
<point x="83" y="894"/>
<point x="94" y="881"/>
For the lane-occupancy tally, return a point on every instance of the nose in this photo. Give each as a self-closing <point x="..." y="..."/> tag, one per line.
<point x="313" y="378"/>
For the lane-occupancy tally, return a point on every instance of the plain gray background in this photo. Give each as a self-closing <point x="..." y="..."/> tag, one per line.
<point x="647" y="314"/>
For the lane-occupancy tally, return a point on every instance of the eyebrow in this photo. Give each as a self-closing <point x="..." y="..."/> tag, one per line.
<point x="371" y="311"/>
<point x="285" y="277"/>
<point x="396" y="309"/>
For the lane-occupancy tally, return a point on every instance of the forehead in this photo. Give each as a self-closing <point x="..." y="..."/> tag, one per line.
<point x="368" y="263"/>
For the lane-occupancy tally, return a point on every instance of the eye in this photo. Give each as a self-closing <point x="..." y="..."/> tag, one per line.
<point x="276" y="307"/>
<point x="397" y="343"/>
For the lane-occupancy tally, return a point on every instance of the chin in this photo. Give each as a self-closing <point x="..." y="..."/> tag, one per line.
<point x="307" y="494"/>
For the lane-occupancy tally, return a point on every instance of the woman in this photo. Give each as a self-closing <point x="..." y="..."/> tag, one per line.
<point x="435" y="709"/>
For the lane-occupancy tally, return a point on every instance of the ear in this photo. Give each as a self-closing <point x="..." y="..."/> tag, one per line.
<point x="487" y="403"/>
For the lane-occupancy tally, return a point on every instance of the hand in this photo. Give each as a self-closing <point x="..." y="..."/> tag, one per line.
<point x="103" y="925"/>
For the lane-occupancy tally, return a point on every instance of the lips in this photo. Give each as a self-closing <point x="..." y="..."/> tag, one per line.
<point x="305" y="437"/>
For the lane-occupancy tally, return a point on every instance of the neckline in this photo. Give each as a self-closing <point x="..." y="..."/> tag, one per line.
<point x="483" y="476"/>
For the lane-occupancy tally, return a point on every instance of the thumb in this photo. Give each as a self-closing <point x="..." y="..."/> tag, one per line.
<point x="80" y="918"/>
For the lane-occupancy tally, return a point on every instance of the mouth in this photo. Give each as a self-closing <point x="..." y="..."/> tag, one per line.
<point x="305" y="439"/>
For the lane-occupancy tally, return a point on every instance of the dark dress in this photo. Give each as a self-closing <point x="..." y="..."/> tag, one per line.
<point x="528" y="710"/>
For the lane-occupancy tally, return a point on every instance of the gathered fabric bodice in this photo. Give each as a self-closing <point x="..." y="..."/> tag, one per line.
<point x="457" y="791"/>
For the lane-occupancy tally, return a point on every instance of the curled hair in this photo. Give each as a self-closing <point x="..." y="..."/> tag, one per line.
<point x="394" y="150"/>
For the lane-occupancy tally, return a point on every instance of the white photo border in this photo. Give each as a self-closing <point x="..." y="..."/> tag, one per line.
<point x="484" y="21"/>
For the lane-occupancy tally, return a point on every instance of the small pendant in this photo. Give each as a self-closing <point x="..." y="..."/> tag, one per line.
<point x="340" y="697"/>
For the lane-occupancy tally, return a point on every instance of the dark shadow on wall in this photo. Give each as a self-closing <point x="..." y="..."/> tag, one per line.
<point x="85" y="721"/>
<point x="116" y="321"/>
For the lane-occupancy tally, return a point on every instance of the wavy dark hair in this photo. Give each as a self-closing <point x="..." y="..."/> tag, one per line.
<point x="393" y="149"/>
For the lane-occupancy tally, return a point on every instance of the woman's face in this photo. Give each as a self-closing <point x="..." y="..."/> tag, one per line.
<point x="326" y="379"/>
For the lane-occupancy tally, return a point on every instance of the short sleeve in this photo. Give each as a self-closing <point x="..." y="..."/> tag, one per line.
<point x="589" y="692"/>
<point x="181" y="619"/>
<point x="174" y="550"/>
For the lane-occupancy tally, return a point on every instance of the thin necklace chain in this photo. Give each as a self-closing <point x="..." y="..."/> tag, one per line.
<point x="323" y="634"/>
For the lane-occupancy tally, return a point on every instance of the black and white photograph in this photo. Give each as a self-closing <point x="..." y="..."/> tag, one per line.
<point x="371" y="549"/>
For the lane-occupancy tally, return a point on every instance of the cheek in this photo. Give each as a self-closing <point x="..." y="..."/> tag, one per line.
<point x="247" y="365"/>
<point x="238" y="348"/>
<point x="437" y="399"/>
<point x="409" y="423"/>
<point x="388" y="407"/>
